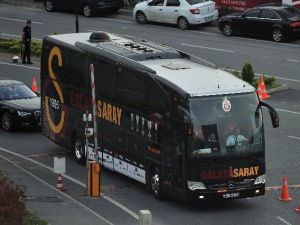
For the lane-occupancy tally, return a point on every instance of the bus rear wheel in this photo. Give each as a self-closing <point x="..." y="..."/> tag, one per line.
<point x="78" y="150"/>
<point x="156" y="184"/>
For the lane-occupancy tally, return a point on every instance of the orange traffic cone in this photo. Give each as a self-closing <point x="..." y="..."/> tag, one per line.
<point x="259" y="91"/>
<point x="264" y="94"/>
<point x="285" y="191"/>
<point x="298" y="209"/>
<point x="34" y="86"/>
<point x="59" y="184"/>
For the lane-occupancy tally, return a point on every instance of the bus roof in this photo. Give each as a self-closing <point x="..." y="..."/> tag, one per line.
<point x="194" y="78"/>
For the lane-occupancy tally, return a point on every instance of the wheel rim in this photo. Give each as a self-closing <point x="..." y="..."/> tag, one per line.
<point x="49" y="5"/>
<point x="182" y="23"/>
<point x="87" y="10"/>
<point x="227" y="29"/>
<point x="277" y="35"/>
<point x="141" y="18"/>
<point x="155" y="183"/>
<point x="6" y="122"/>
<point x="78" y="149"/>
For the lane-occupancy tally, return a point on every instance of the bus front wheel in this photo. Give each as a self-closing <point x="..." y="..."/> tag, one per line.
<point x="156" y="184"/>
<point x="78" y="149"/>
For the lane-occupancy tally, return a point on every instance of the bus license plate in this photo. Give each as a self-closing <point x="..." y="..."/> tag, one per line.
<point x="231" y="195"/>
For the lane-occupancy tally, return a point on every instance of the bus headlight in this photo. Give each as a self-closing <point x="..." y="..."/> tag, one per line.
<point x="260" y="180"/>
<point x="193" y="185"/>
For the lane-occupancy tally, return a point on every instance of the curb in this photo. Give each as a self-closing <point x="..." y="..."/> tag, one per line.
<point x="283" y="87"/>
<point x="23" y="4"/>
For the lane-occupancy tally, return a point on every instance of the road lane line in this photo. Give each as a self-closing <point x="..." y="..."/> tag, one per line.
<point x="287" y="79"/>
<point x="12" y="64"/>
<point x="293" y="60"/>
<point x="12" y="19"/>
<point x="293" y="137"/>
<point x="116" y="20"/>
<point x="112" y="201"/>
<point x="283" y="220"/>
<point x="18" y="36"/>
<point x="53" y="188"/>
<point x="287" y="111"/>
<point x="214" y="49"/>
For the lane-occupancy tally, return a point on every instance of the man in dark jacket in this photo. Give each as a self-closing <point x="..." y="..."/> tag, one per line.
<point x="26" y="35"/>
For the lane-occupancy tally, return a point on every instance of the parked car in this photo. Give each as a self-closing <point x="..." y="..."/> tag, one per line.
<point x="276" y="22"/>
<point x="19" y="105"/>
<point x="180" y="12"/>
<point x="86" y="7"/>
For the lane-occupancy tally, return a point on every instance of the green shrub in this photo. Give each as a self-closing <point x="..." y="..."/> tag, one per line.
<point x="14" y="46"/>
<point x="269" y="80"/>
<point x="247" y="73"/>
<point x="12" y="206"/>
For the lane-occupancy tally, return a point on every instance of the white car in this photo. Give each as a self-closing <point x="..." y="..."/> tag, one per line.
<point x="180" y="12"/>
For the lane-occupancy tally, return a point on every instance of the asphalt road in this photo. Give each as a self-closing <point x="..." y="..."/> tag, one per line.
<point x="278" y="59"/>
<point x="281" y="144"/>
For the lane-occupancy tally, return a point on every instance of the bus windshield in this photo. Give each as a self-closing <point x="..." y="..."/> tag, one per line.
<point x="225" y="125"/>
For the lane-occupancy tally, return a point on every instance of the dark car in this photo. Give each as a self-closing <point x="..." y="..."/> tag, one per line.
<point x="86" y="7"/>
<point x="276" y="22"/>
<point x="19" y="105"/>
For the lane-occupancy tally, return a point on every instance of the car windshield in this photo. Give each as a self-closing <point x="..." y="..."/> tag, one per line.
<point x="225" y="125"/>
<point x="194" y="2"/>
<point x="16" y="91"/>
<point x="291" y="12"/>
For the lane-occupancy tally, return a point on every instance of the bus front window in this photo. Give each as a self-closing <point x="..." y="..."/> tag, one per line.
<point x="225" y="125"/>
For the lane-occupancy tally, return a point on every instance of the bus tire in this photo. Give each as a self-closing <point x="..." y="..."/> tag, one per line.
<point x="156" y="183"/>
<point x="78" y="149"/>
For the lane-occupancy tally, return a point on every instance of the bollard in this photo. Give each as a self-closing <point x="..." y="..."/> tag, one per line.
<point x="93" y="179"/>
<point x="145" y="217"/>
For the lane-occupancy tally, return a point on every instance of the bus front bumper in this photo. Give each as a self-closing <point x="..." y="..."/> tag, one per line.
<point x="252" y="191"/>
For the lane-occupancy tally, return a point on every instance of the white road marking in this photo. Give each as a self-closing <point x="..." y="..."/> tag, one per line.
<point x="17" y="65"/>
<point x="287" y="111"/>
<point x="287" y="79"/>
<point x="293" y="60"/>
<point x="293" y="137"/>
<point x="112" y="201"/>
<point x="18" y="36"/>
<point x="116" y="20"/>
<point x="12" y="19"/>
<point x="204" y="47"/>
<point x="283" y="220"/>
<point x="53" y="188"/>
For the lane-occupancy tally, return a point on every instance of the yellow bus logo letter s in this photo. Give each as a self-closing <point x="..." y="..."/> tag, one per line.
<point x="56" y="128"/>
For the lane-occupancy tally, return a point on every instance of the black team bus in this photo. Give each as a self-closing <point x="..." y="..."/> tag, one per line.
<point x="164" y="118"/>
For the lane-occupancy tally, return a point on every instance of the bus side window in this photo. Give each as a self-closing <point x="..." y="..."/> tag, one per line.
<point x="131" y="90"/>
<point x="105" y="79"/>
<point x="76" y="70"/>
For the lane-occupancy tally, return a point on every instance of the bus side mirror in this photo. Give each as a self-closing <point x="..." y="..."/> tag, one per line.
<point x="187" y="120"/>
<point x="274" y="117"/>
<point x="273" y="114"/>
<point x="256" y="118"/>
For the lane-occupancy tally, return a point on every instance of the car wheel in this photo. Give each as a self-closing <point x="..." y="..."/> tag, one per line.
<point x="182" y="23"/>
<point x="227" y="29"/>
<point x="49" y="5"/>
<point x="140" y="17"/>
<point x="7" y="122"/>
<point x="156" y="184"/>
<point x="78" y="149"/>
<point x="277" y="35"/>
<point x="87" y="10"/>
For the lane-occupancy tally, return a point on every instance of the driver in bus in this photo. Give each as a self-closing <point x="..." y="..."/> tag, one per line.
<point x="235" y="140"/>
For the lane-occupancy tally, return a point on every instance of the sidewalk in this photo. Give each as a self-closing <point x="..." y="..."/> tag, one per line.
<point x="55" y="207"/>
